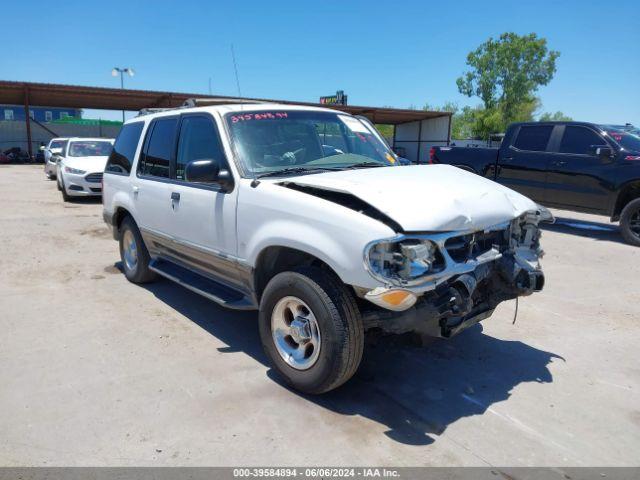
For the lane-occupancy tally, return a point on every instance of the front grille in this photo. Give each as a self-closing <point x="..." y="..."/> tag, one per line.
<point x="96" y="190"/>
<point x="94" y="177"/>
<point x="466" y="247"/>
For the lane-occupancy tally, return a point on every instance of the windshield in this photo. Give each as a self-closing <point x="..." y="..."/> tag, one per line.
<point x="273" y="142"/>
<point x="91" y="148"/>
<point x="626" y="139"/>
<point x="57" y="144"/>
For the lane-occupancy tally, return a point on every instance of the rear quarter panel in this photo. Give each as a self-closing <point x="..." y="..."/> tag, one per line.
<point x="475" y="159"/>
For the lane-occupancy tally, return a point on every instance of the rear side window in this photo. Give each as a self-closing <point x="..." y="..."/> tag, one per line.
<point x="156" y="159"/>
<point x="581" y="141"/>
<point x="124" y="149"/>
<point x="533" y="138"/>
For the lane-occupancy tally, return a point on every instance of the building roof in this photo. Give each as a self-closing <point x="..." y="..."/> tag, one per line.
<point x="76" y="96"/>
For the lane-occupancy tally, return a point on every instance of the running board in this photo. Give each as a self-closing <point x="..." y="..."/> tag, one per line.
<point x="221" y="294"/>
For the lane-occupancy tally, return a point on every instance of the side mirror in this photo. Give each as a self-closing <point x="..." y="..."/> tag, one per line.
<point x="208" y="171"/>
<point x="604" y="153"/>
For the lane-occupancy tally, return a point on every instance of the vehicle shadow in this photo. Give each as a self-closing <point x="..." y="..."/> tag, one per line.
<point x="583" y="228"/>
<point x="415" y="392"/>
<point x="85" y="200"/>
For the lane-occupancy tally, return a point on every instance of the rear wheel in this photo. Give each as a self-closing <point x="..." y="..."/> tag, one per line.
<point x="311" y="329"/>
<point x="630" y="222"/>
<point x="133" y="253"/>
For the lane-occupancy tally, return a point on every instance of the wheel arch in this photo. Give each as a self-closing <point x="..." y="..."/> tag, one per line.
<point x="628" y="192"/>
<point x="273" y="260"/>
<point x="119" y="215"/>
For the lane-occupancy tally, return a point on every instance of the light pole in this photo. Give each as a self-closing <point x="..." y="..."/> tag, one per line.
<point x="122" y="71"/>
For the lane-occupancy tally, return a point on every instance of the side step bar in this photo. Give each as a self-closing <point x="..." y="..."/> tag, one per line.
<point x="221" y="294"/>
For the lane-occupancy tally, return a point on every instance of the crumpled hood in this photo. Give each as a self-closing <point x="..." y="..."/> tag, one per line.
<point x="88" y="164"/>
<point x="426" y="197"/>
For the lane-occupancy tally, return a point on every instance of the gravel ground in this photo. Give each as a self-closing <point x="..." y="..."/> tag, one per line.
<point x="97" y="371"/>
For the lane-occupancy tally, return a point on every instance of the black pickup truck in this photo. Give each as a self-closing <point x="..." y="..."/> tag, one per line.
<point x="570" y="165"/>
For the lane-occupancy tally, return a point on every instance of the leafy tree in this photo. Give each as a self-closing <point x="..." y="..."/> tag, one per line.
<point x="461" y="121"/>
<point x="554" y="117"/>
<point x="505" y="74"/>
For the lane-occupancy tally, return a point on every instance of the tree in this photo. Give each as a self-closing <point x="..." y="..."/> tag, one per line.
<point x="461" y="121"/>
<point x="554" y="117"/>
<point x="505" y="74"/>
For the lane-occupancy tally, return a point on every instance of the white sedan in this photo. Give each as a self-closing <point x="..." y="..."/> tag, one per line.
<point x="55" y="147"/>
<point x="79" y="171"/>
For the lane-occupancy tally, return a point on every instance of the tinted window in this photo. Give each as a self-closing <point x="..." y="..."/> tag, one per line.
<point x="533" y="138"/>
<point x="90" y="149"/>
<point x="155" y="161"/>
<point x="580" y="140"/>
<point x="124" y="149"/>
<point x="198" y="141"/>
<point x="629" y="141"/>
<point x="57" y="144"/>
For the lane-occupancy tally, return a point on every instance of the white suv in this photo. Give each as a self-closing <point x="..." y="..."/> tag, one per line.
<point x="304" y="214"/>
<point x="80" y="165"/>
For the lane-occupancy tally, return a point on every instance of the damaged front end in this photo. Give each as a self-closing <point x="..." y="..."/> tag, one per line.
<point x="438" y="284"/>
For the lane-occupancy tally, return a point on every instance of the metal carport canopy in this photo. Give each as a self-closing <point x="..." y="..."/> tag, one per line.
<point x="76" y="96"/>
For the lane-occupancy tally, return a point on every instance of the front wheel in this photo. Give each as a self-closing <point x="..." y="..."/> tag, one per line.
<point x="311" y="329"/>
<point x="65" y="196"/>
<point x="630" y="222"/>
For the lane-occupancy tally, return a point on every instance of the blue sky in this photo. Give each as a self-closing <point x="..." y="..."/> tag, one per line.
<point x="384" y="54"/>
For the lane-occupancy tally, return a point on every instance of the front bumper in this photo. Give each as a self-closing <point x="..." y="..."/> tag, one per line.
<point x="50" y="169"/>
<point x="462" y="301"/>
<point x="85" y="185"/>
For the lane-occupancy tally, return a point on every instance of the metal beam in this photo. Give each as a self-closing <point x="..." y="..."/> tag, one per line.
<point x="27" y="119"/>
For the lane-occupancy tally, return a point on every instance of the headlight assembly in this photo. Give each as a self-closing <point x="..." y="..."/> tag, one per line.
<point x="75" y="171"/>
<point x="405" y="260"/>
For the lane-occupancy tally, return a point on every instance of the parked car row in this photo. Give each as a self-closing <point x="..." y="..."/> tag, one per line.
<point x="570" y="165"/>
<point x="77" y="164"/>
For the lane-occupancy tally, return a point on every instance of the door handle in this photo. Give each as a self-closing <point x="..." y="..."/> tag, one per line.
<point x="558" y="163"/>
<point x="175" y="196"/>
<point x="135" y="189"/>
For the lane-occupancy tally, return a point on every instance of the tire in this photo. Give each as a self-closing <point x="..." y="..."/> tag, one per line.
<point x="630" y="222"/>
<point x="340" y="331"/>
<point x="65" y="196"/>
<point x="136" y="271"/>
<point x="58" y="184"/>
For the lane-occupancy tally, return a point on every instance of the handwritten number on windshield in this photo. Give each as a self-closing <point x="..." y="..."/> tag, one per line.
<point x="258" y="116"/>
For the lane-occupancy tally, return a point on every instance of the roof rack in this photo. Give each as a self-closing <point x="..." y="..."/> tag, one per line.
<point x="201" y="102"/>
<point x="149" y="111"/>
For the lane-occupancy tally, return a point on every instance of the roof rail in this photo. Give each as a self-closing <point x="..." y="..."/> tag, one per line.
<point x="149" y="111"/>
<point x="201" y="102"/>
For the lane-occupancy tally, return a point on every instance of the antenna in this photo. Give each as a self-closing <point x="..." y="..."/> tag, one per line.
<point x="235" y="68"/>
<point x="255" y="182"/>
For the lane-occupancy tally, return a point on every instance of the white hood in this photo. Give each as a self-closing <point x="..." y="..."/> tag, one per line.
<point x="426" y="197"/>
<point x="88" y="164"/>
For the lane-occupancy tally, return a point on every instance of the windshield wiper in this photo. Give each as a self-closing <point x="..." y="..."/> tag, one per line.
<point x="293" y="170"/>
<point x="366" y="165"/>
